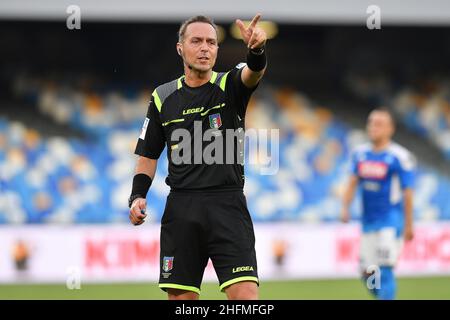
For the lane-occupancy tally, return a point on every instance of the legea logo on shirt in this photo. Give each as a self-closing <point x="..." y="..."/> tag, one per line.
<point x="372" y="170"/>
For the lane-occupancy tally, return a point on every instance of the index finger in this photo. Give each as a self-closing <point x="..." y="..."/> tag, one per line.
<point x="255" y="21"/>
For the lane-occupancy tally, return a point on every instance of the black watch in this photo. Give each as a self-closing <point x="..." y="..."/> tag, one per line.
<point x="132" y="198"/>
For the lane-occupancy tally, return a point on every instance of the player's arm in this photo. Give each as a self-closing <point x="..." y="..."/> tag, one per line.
<point x="255" y="38"/>
<point x="349" y="194"/>
<point x="408" y="209"/>
<point x="146" y="166"/>
<point x="143" y="176"/>
<point x="150" y="144"/>
<point x="406" y="172"/>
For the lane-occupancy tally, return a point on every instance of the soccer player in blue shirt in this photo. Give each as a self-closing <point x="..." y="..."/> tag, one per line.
<point x="384" y="171"/>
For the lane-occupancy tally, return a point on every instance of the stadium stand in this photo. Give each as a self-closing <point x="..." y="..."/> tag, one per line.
<point x="55" y="179"/>
<point x="422" y="105"/>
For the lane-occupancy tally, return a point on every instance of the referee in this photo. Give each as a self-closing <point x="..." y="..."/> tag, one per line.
<point x="206" y="213"/>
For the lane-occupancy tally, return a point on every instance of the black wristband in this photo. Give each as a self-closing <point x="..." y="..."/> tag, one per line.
<point x="256" y="59"/>
<point x="141" y="185"/>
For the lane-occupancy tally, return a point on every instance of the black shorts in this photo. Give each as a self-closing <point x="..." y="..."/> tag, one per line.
<point x="198" y="226"/>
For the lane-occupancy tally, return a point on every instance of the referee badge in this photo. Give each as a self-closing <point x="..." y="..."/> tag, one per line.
<point x="167" y="264"/>
<point x="215" y="122"/>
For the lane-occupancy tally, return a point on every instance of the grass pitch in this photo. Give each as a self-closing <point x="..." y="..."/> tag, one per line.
<point x="408" y="288"/>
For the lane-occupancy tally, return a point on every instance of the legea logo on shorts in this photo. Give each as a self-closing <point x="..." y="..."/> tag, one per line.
<point x="241" y="269"/>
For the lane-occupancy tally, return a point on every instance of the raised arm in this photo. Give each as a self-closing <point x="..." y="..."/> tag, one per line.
<point x="255" y="38"/>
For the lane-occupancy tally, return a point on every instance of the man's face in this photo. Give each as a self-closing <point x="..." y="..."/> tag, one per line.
<point x="199" y="46"/>
<point x="380" y="126"/>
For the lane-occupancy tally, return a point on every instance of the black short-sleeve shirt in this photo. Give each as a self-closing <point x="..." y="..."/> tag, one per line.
<point x="188" y="120"/>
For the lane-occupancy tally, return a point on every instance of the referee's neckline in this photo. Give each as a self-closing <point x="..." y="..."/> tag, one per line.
<point x="184" y="84"/>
